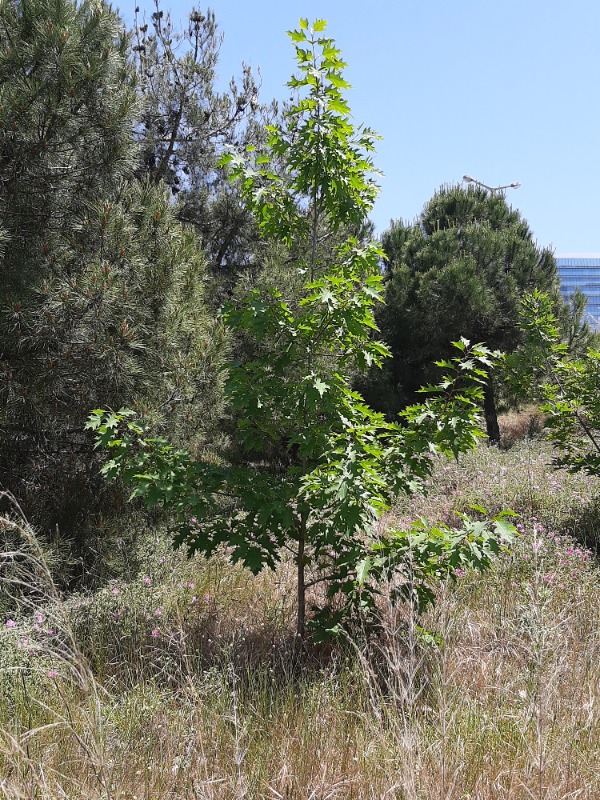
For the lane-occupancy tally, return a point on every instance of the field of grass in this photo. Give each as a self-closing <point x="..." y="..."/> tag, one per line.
<point x="185" y="681"/>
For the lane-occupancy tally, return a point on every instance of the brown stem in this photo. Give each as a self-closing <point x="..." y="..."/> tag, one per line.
<point x="162" y="167"/>
<point x="301" y="588"/>
<point x="491" y="413"/>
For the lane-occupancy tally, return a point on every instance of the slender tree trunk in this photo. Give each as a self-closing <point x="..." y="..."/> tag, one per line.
<point x="301" y="588"/>
<point x="491" y="413"/>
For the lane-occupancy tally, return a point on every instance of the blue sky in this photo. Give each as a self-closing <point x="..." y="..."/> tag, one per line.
<point x="503" y="90"/>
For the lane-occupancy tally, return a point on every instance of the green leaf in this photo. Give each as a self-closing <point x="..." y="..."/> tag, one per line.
<point x="478" y="508"/>
<point x="338" y="81"/>
<point x="94" y="420"/>
<point x="297" y="36"/>
<point x="327" y="296"/>
<point x="362" y="570"/>
<point x="321" y="386"/>
<point x="341" y="108"/>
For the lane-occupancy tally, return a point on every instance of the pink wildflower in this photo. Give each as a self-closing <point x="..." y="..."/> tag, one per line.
<point x="155" y="633"/>
<point x="147" y="581"/>
<point x="52" y="673"/>
<point x="10" y="623"/>
<point x="116" y="591"/>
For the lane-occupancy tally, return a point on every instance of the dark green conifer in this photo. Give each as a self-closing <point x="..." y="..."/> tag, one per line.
<point x="101" y="292"/>
<point x="459" y="270"/>
<point x="185" y="123"/>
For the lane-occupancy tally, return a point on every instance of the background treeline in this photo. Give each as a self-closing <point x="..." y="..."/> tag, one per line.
<point x="120" y="238"/>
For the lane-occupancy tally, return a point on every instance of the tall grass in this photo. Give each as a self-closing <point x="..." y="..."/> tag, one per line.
<point x="51" y="735"/>
<point x="184" y="682"/>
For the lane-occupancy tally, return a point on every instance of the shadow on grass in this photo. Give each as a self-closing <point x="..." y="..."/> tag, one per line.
<point x="584" y="525"/>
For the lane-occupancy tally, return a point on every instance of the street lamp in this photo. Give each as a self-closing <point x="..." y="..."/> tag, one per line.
<point x="491" y="189"/>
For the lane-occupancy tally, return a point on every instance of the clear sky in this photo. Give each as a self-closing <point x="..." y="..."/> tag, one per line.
<point x="503" y="90"/>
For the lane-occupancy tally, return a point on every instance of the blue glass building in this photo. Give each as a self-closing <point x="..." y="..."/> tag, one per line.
<point x="582" y="271"/>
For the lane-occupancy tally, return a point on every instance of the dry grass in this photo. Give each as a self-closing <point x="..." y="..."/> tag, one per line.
<point x="515" y="426"/>
<point x="219" y="703"/>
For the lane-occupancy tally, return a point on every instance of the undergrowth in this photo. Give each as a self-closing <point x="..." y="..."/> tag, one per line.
<point x="185" y="681"/>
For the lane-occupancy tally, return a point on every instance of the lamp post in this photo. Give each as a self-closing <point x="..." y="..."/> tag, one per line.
<point x="491" y="189"/>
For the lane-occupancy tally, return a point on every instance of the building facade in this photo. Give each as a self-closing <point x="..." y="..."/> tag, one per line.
<point x="582" y="271"/>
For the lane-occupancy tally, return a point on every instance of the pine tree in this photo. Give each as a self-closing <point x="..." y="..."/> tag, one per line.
<point x="101" y="295"/>
<point x="459" y="270"/>
<point x="185" y="122"/>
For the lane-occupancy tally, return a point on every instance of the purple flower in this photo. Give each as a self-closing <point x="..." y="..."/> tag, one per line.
<point x="10" y="623"/>
<point x="158" y="612"/>
<point x="116" y="591"/>
<point x="52" y="673"/>
<point x="147" y="581"/>
<point x="155" y="633"/>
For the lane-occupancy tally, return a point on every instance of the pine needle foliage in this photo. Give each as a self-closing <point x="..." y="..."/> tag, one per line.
<point x="184" y="124"/>
<point x="101" y="295"/>
<point x="459" y="270"/>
